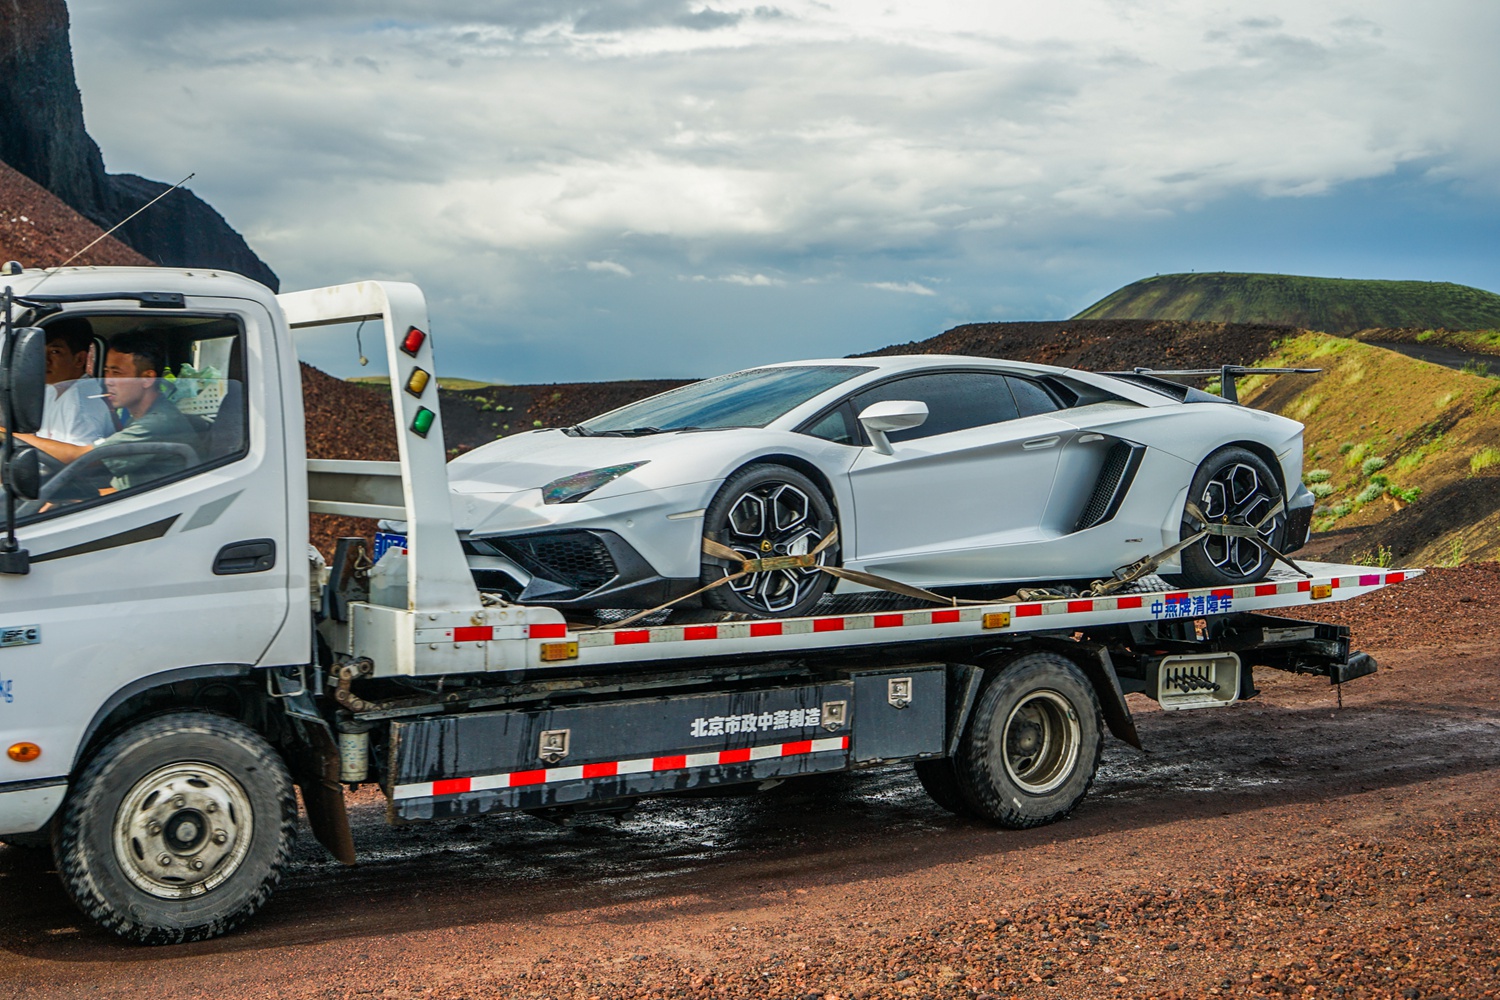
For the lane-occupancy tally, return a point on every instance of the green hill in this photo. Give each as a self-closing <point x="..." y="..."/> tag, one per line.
<point x="1333" y="305"/>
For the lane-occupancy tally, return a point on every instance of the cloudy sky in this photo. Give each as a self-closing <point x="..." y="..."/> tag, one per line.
<point x="595" y="189"/>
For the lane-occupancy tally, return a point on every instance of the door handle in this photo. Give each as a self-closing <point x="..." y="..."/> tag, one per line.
<point x="253" y="556"/>
<point x="1036" y="444"/>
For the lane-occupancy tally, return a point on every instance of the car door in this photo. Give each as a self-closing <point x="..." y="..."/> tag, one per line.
<point x="972" y="481"/>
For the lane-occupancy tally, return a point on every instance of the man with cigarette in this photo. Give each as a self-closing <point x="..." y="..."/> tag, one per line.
<point x="132" y="383"/>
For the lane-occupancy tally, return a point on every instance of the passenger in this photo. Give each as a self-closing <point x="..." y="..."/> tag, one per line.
<point x="132" y="374"/>
<point x="75" y="411"/>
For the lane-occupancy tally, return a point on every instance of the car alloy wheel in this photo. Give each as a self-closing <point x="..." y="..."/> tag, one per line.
<point x="1237" y="495"/>
<point x="763" y="512"/>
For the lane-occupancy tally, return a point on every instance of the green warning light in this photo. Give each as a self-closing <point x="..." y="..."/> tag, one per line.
<point x="422" y="422"/>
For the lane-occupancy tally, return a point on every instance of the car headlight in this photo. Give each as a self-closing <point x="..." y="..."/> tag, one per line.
<point x="581" y="484"/>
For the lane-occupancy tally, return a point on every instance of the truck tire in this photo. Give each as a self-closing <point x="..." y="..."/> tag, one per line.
<point x="1032" y="744"/>
<point x="177" y="829"/>
<point x="939" y="780"/>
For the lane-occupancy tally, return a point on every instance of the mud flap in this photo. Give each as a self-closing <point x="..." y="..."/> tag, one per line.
<point x="315" y="768"/>
<point x="1100" y="670"/>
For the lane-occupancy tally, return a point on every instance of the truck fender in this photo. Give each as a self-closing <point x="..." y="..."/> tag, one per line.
<point x="965" y="680"/>
<point x="141" y="685"/>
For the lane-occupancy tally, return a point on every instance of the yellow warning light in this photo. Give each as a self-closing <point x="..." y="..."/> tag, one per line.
<point x="997" y="619"/>
<point x="552" y="651"/>
<point x="1322" y="590"/>
<point x="417" y="382"/>
<point x="23" y="753"/>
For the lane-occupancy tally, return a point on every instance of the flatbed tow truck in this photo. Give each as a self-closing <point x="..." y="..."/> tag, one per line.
<point x="173" y="669"/>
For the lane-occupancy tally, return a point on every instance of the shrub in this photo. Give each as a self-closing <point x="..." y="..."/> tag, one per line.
<point x="1406" y="494"/>
<point x="1321" y="490"/>
<point x="1347" y="447"/>
<point x="1370" y="466"/>
<point x="1370" y="492"/>
<point x="1317" y="476"/>
<point x="1381" y="481"/>
<point x="1343" y="509"/>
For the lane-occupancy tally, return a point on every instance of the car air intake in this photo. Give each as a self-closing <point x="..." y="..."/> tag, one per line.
<point x="579" y="559"/>
<point x="1120" y="464"/>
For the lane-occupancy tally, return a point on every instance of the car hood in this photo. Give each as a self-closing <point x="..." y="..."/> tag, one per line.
<point x="534" y="459"/>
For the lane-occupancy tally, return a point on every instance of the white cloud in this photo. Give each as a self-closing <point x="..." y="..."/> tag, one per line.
<point x="749" y="280"/>
<point x="486" y="147"/>
<point x="905" y="287"/>
<point x="609" y="266"/>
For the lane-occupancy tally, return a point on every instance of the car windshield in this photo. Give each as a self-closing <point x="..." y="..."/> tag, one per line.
<point x="751" y="398"/>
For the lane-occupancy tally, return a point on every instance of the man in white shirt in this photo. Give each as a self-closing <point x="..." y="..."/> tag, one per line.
<point x="75" y="410"/>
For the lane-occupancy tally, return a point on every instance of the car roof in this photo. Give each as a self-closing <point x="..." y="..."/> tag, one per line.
<point x="917" y="362"/>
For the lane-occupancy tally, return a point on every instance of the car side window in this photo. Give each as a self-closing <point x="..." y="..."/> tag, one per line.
<point x="168" y="402"/>
<point x="834" y="426"/>
<point x="1031" y="398"/>
<point x="955" y="401"/>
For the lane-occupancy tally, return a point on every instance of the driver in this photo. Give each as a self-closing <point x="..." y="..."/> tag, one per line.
<point x="132" y="375"/>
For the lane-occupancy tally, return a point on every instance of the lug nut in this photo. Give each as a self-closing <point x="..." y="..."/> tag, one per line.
<point x="165" y="860"/>
<point x="212" y="807"/>
<point x="153" y="828"/>
<point x="197" y="864"/>
<point x="220" y="837"/>
<point x="178" y="801"/>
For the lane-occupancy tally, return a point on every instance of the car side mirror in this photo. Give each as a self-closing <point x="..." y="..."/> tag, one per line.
<point x="892" y="415"/>
<point x="23" y="379"/>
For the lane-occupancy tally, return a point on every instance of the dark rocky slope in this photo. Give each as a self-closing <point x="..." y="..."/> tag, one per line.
<point x="42" y="135"/>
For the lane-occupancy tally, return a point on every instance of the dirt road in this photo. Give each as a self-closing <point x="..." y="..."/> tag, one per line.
<point x="1285" y="846"/>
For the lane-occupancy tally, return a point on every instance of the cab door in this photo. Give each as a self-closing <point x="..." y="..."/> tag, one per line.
<point x="188" y="568"/>
<point x="958" y="491"/>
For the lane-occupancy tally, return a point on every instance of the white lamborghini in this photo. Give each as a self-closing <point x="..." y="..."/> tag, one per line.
<point x="949" y="473"/>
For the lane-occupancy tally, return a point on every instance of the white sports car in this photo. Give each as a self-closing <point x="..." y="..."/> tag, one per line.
<point x="941" y="472"/>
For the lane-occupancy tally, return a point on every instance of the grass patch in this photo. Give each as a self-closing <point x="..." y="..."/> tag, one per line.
<point x="1406" y="494"/>
<point x="1482" y="459"/>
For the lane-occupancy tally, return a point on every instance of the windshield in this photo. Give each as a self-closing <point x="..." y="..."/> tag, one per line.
<point x="751" y="398"/>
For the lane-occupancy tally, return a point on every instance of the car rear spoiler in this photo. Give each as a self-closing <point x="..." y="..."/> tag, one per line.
<point x="1226" y="373"/>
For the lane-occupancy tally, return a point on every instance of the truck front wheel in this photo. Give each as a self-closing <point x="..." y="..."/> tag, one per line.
<point x="1032" y="745"/>
<point x="177" y="829"/>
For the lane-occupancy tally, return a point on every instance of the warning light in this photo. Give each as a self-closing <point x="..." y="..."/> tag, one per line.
<point x="412" y="342"/>
<point x="997" y="619"/>
<point x="552" y="651"/>
<point x="422" y="422"/>
<point x="24" y="753"/>
<point x="417" y="382"/>
<point x="1321" y="591"/>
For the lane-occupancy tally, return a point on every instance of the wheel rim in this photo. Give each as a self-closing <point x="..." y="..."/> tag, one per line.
<point x="1041" y="739"/>
<point x="1237" y="495"/>
<point x="182" y="830"/>
<point x="773" y="519"/>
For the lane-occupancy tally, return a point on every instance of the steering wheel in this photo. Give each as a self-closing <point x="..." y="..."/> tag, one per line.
<point x="73" y="483"/>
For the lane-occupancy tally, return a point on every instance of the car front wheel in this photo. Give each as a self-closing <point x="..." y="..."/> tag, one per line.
<point x="764" y="511"/>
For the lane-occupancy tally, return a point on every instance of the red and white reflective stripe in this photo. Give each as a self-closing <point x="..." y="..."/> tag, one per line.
<point x="610" y="769"/>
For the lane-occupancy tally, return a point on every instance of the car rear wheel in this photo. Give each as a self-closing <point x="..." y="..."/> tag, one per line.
<point x="1232" y="486"/>
<point x="760" y="512"/>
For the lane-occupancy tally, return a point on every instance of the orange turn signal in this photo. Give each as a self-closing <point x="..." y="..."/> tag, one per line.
<point x="23" y="753"/>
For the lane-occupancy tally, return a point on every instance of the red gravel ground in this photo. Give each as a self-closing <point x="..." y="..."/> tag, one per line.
<point x="38" y="230"/>
<point x="1283" y="847"/>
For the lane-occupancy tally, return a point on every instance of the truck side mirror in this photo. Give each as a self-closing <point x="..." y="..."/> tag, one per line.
<point x="23" y="379"/>
<point x="23" y="473"/>
<point x="892" y="415"/>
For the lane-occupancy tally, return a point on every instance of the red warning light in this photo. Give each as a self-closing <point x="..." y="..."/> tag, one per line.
<point x="412" y="343"/>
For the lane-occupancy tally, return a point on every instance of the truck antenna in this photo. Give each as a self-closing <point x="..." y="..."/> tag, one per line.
<point x="127" y="218"/>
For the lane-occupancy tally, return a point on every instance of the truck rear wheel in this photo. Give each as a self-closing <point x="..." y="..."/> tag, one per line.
<point x="177" y="829"/>
<point x="1032" y="745"/>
